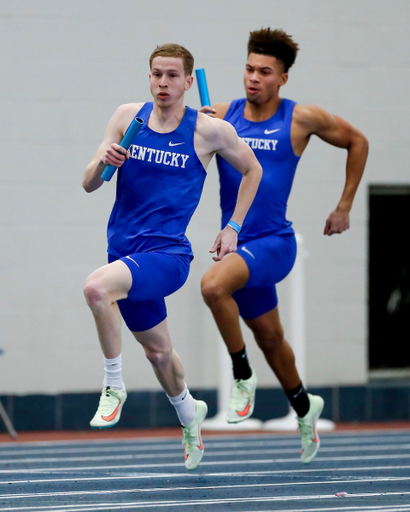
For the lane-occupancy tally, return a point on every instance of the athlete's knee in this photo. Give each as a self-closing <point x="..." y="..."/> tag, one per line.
<point x="95" y="292"/>
<point x="270" y="341"/>
<point x="212" y="288"/>
<point x="158" y="357"/>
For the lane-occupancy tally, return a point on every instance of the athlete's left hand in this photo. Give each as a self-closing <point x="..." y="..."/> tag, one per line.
<point x="225" y="243"/>
<point x="337" y="222"/>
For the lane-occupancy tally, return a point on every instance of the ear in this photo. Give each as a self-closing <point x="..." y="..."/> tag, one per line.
<point x="188" y="82"/>
<point x="283" y="79"/>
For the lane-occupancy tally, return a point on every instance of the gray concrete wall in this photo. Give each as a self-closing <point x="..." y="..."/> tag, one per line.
<point x="67" y="65"/>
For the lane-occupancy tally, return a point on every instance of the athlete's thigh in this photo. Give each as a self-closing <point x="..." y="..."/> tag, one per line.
<point x="269" y="259"/>
<point x="142" y="315"/>
<point x="254" y="302"/>
<point x="155" y="275"/>
<point x="231" y="273"/>
<point x="115" y="279"/>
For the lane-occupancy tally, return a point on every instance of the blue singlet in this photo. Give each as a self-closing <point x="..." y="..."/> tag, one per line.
<point x="158" y="190"/>
<point x="270" y="141"/>
<point x="266" y="241"/>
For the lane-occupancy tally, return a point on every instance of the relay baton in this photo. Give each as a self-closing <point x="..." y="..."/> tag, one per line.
<point x="132" y="132"/>
<point x="202" y="87"/>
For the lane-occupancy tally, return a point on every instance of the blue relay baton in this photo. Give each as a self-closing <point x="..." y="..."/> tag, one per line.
<point x="202" y="87"/>
<point x="132" y="132"/>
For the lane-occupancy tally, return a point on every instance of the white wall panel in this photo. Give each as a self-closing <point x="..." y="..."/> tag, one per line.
<point x="67" y="65"/>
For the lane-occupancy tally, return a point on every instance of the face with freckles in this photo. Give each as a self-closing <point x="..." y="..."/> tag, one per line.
<point x="264" y="75"/>
<point x="168" y="81"/>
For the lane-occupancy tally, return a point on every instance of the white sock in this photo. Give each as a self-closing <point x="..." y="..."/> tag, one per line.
<point x="113" y="372"/>
<point x="185" y="406"/>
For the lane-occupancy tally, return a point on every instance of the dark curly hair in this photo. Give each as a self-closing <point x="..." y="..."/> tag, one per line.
<point x="276" y="43"/>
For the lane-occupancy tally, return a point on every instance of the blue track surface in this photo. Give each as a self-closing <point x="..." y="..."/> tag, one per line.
<point x="241" y="473"/>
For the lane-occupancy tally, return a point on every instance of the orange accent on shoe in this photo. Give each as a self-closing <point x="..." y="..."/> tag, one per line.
<point x="201" y="446"/>
<point x="245" y="411"/>
<point x="314" y="430"/>
<point x="113" y="415"/>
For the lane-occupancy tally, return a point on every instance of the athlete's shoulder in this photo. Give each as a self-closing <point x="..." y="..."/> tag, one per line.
<point x="128" y="109"/>
<point x="127" y="112"/>
<point x="214" y="133"/>
<point x="309" y="116"/>
<point x="211" y="126"/>
<point x="307" y="112"/>
<point x="124" y="115"/>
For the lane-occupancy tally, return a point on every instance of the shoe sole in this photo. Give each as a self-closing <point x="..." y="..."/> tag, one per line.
<point x="103" y="427"/>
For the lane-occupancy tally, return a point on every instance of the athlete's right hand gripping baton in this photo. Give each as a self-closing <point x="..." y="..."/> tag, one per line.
<point x="132" y="132"/>
<point x="202" y="86"/>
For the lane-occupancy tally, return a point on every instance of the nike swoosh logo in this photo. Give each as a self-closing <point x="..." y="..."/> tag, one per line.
<point x="268" y="132"/>
<point x="113" y="415"/>
<point x="245" y="411"/>
<point x="314" y="431"/>
<point x="201" y="446"/>
<point x="132" y="260"/>
<point x="249" y="252"/>
<point x="175" y="143"/>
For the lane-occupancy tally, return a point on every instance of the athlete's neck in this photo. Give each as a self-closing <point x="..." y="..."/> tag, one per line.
<point x="258" y="112"/>
<point x="165" y="120"/>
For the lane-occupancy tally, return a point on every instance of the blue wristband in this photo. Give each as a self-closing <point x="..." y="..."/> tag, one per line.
<point x="234" y="226"/>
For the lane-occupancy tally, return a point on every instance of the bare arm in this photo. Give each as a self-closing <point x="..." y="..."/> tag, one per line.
<point x="236" y="152"/>
<point x="109" y="151"/>
<point x="336" y="131"/>
<point x="220" y="137"/>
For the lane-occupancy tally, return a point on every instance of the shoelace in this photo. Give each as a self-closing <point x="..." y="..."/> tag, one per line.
<point x="240" y="394"/>
<point x="108" y="401"/>
<point x="306" y="431"/>
<point x="188" y="438"/>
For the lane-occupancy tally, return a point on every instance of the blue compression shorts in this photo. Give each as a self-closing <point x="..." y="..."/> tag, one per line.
<point x="269" y="260"/>
<point x="154" y="276"/>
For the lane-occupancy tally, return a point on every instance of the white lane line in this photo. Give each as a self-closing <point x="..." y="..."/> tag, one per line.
<point x="206" y="463"/>
<point x="149" y="476"/>
<point x="173" y="503"/>
<point x="79" y="469"/>
<point x="169" y="443"/>
<point x="177" y="452"/>
<point x="332" y="482"/>
<point x="99" y="449"/>
<point x="259" y="440"/>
